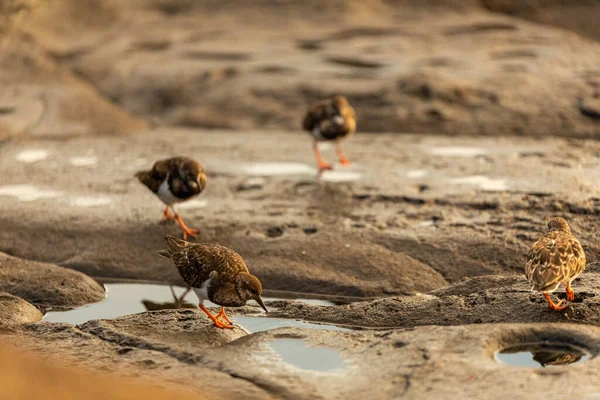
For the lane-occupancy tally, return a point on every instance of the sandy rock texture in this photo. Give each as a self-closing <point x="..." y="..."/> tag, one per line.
<point x="414" y="362"/>
<point x="479" y="300"/>
<point x="412" y="215"/>
<point x="14" y="310"/>
<point x="449" y="68"/>
<point x="46" y="285"/>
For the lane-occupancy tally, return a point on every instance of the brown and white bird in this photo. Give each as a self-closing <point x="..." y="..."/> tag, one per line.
<point x="175" y="180"/>
<point x="330" y="120"/>
<point x="215" y="273"/>
<point x="554" y="260"/>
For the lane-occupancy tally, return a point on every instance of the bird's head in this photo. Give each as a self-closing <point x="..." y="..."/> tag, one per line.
<point x="340" y="103"/>
<point x="558" y="224"/>
<point x="249" y="287"/>
<point x="195" y="177"/>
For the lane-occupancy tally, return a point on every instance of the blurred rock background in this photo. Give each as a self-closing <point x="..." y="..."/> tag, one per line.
<point x="445" y="67"/>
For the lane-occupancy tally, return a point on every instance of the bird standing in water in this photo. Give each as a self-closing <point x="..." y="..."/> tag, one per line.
<point x="215" y="273"/>
<point x="175" y="180"/>
<point x="555" y="259"/>
<point x="330" y="120"/>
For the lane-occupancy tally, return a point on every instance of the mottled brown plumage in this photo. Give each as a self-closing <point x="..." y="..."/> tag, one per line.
<point x="554" y="260"/>
<point x="175" y="180"/>
<point x="330" y="120"/>
<point x="216" y="273"/>
<point x="548" y="357"/>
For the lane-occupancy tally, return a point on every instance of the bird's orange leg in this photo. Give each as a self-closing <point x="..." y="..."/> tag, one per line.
<point x="343" y="160"/>
<point x="223" y="315"/>
<point x="323" y="166"/>
<point x="186" y="231"/>
<point x="570" y="292"/>
<point x="215" y="321"/>
<point x="167" y="215"/>
<point x="556" y="307"/>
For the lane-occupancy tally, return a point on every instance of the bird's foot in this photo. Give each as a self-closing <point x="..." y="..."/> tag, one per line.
<point x="186" y="231"/>
<point x="189" y="232"/>
<point x="555" y="307"/>
<point x="218" y="324"/>
<point x="167" y="216"/>
<point x="344" y="161"/>
<point x="570" y="295"/>
<point x="323" y="166"/>
<point x="222" y="314"/>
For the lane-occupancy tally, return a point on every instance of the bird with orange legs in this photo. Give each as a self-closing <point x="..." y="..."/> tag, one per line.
<point x="554" y="260"/>
<point x="331" y="120"/>
<point x="175" y="180"/>
<point x="215" y="273"/>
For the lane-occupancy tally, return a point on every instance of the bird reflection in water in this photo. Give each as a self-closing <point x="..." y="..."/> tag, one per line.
<point x="556" y="357"/>
<point x="178" y="302"/>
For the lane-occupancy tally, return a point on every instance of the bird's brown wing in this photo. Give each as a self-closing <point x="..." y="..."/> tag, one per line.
<point x="183" y="177"/>
<point x="154" y="177"/>
<point x="555" y="258"/>
<point x="195" y="261"/>
<point x="317" y="114"/>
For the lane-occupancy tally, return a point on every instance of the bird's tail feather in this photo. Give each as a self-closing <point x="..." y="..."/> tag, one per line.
<point x="164" y="253"/>
<point x="174" y="245"/>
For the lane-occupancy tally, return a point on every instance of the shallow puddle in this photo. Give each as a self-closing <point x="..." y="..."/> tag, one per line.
<point x="295" y="352"/>
<point x="276" y="169"/>
<point x="32" y="156"/>
<point x="538" y="355"/>
<point x="27" y="193"/>
<point x="90" y="201"/>
<point x="340" y="175"/>
<point x="132" y="298"/>
<point x="456" y="151"/>
<point x="484" y="182"/>
<point x="83" y="161"/>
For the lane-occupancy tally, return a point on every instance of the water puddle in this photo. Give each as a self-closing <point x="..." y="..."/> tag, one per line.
<point x="90" y="201"/>
<point x="538" y="355"/>
<point x="484" y="182"/>
<point x="32" y="156"/>
<point x="277" y="169"/>
<point x="339" y="176"/>
<point x="191" y="204"/>
<point x="132" y="298"/>
<point x="456" y="151"/>
<point x="417" y="174"/>
<point x="84" y="161"/>
<point x="27" y="193"/>
<point x="295" y="352"/>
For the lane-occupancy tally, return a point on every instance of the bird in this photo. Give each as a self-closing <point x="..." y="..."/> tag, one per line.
<point x="330" y="120"/>
<point x="555" y="357"/>
<point x="215" y="273"/>
<point x="175" y="180"/>
<point x="556" y="259"/>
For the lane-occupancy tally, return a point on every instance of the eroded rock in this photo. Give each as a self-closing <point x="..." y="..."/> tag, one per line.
<point x="47" y="285"/>
<point x="484" y="299"/>
<point x="14" y="310"/>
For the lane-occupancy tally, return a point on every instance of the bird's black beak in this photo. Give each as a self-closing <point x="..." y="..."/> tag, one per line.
<point x="260" y="303"/>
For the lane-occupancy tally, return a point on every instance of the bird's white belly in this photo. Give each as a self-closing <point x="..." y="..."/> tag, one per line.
<point x="202" y="291"/>
<point x="165" y="194"/>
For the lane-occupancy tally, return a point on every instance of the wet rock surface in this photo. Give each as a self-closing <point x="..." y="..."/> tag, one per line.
<point x="46" y="285"/>
<point x="479" y="300"/>
<point x="381" y="364"/>
<point x="15" y="310"/>
<point x="413" y="214"/>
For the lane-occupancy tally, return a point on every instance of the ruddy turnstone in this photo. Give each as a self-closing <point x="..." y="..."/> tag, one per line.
<point x="555" y="259"/>
<point x="175" y="180"/>
<point x="330" y="120"/>
<point x="215" y="273"/>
